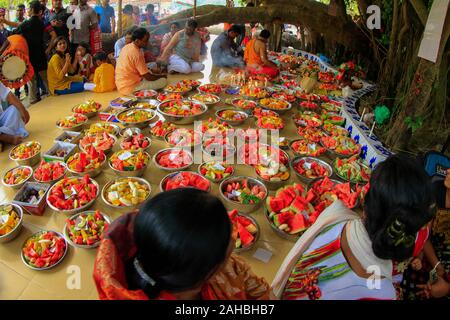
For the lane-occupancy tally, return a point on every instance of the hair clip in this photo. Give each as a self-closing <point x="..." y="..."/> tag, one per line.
<point x="142" y="273"/>
<point x="397" y="232"/>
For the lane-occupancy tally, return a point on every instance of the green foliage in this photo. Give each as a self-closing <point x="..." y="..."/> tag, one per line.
<point x="382" y="113"/>
<point x="414" y="124"/>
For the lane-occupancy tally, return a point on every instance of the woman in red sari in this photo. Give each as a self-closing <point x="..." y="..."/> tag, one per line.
<point x="177" y="247"/>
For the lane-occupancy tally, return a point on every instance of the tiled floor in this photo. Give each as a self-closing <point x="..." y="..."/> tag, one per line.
<point x="19" y="282"/>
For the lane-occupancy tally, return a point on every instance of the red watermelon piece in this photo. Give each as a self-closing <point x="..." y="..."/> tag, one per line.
<point x="297" y="224"/>
<point x="245" y="236"/>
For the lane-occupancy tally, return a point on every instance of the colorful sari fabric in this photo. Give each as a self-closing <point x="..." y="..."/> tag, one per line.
<point x="234" y="282"/>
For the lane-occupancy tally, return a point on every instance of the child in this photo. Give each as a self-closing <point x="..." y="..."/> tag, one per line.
<point x="58" y="67"/>
<point x="84" y="60"/>
<point x="103" y="76"/>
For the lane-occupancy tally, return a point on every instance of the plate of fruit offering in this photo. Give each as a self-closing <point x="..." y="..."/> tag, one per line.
<point x="270" y="122"/>
<point x="10" y="221"/>
<point x="307" y="148"/>
<point x="127" y="162"/>
<point x="89" y="108"/>
<point x="72" y="195"/>
<point x="329" y="117"/>
<point x="244" y="104"/>
<point x="276" y="105"/>
<point x="136" y="117"/>
<point x="335" y="130"/>
<point x="258" y="153"/>
<point x="173" y="159"/>
<point x="214" y="125"/>
<point x="307" y="96"/>
<point x="310" y="133"/>
<point x="310" y="168"/>
<point x="145" y="104"/>
<point x="341" y="146"/>
<point x="73" y="122"/>
<point x="307" y="119"/>
<point x="16" y="177"/>
<point x="309" y="105"/>
<point x="245" y="230"/>
<point x="89" y="162"/>
<point x="327" y="190"/>
<point x="352" y="169"/>
<point x="184" y="179"/>
<point x="145" y="94"/>
<point x="44" y="250"/>
<point x="178" y="88"/>
<point x="99" y="141"/>
<point x="101" y="127"/>
<point x="215" y="171"/>
<point x="181" y="108"/>
<point x="86" y="229"/>
<point x="161" y="128"/>
<point x="136" y="142"/>
<point x="331" y="107"/>
<point x="248" y="135"/>
<point x="281" y="142"/>
<point x="210" y="88"/>
<point x="206" y="98"/>
<point x="25" y="151"/>
<point x="290" y="211"/>
<point x="243" y="193"/>
<point x="183" y="137"/>
<point x="289" y="97"/>
<point x="254" y="92"/>
<point x="231" y="116"/>
<point x="190" y="83"/>
<point x="50" y="171"/>
<point x="126" y="192"/>
<point x="169" y="96"/>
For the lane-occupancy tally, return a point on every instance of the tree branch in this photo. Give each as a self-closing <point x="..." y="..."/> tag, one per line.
<point x="421" y="10"/>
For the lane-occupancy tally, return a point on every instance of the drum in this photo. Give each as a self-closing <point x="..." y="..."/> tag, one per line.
<point x="15" y="69"/>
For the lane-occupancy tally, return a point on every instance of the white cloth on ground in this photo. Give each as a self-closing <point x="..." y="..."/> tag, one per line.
<point x="178" y="64"/>
<point x="11" y="123"/>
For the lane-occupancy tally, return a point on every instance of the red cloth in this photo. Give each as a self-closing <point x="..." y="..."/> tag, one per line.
<point x="95" y="40"/>
<point x="265" y="70"/>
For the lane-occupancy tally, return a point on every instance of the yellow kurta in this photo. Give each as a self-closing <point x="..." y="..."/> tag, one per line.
<point x="56" y="79"/>
<point x="127" y="22"/>
<point x="104" y="78"/>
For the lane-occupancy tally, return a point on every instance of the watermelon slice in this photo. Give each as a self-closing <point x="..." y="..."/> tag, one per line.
<point x="297" y="224"/>
<point x="245" y="236"/>
<point x="275" y="204"/>
<point x="282" y="218"/>
<point x="299" y="205"/>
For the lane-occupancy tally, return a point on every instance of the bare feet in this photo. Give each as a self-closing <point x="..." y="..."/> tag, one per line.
<point x="14" y="140"/>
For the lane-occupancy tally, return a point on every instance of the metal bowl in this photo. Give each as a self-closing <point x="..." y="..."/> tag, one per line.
<point x="89" y="114"/>
<point x="205" y="103"/>
<point x="66" y="230"/>
<point x="257" y="235"/>
<point x="172" y="169"/>
<point x="14" y="232"/>
<point x="152" y="92"/>
<point x="91" y="173"/>
<point x="51" y="182"/>
<point x="107" y="151"/>
<point x="126" y="208"/>
<point x="334" y="182"/>
<point x="229" y="158"/>
<point x="213" y="180"/>
<point x="142" y="149"/>
<point x="31" y="161"/>
<point x="304" y="179"/>
<point x="181" y="119"/>
<point x="247" y="111"/>
<point x="135" y="173"/>
<point x="189" y="89"/>
<point x="272" y="185"/>
<point x="55" y="264"/>
<point x="129" y="131"/>
<point x="322" y="156"/>
<point x="141" y="124"/>
<point x="166" y="139"/>
<point x="282" y="111"/>
<point x="232" y="122"/>
<point x="77" y="210"/>
<point x="245" y="208"/>
<point x="353" y="182"/>
<point x="76" y="128"/>
<point x="115" y="127"/>
<point x="203" y="92"/>
<point x="281" y="233"/>
<point x="170" y="175"/>
<point x="17" y="185"/>
<point x="334" y="155"/>
<point x="153" y="104"/>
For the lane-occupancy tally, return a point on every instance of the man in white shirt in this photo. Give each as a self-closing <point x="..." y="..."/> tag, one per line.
<point x="13" y="119"/>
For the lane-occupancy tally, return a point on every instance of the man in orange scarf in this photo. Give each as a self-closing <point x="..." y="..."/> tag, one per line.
<point x="255" y="56"/>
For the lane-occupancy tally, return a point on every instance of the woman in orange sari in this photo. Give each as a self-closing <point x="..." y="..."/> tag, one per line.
<point x="177" y="247"/>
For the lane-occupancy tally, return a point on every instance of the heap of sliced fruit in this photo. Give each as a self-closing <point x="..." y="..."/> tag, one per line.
<point x="182" y="108"/>
<point x="72" y="193"/>
<point x="335" y="130"/>
<point x="127" y="192"/>
<point x="244" y="230"/>
<point x="89" y="106"/>
<point x="183" y="137"/>
<point x="341" y="145"/>
<point x="333" y="118"/>
<point x="310" y="133"/>
<point x="9" y="219"/>
<point x="169" y="96"/>
<point x="352" y="169"/>
<point x="254" y="92"/>
<point x="26" y="150"/>
<point x="274" y="104"/>
<point x="160" y="129"/>
<point x="44" y="249"/>
<point x="307" y="148"/>
<point x="270" y="168"/>
<point x="135" y="142"/>
<point x="178" y="88"/>
<point x="289" y="97"/>
<point x="327" y="191"/>
<point x="249" y="134"/>
<point x="49" y="171"/>
<point x="100" y="141"/>
<point x="136" y="116"/>
<point x="210" y="88"/>
<point x="186" y="179"/>
<point x="241" y="192"/>
<point x="214" y="125"/>
<point x="331" y="107"/>
<point x="174" y="159"/>
<point x="244" y="104"/>
<point x="72" y="121"/>
<point x="307" y="119"/>
<point x="232" y="115"/>
<point x="267" y="119"/>
<point x="101" y="127"/>
<point x="124" y="160"/>
<point x="190" y="83"/>
<point x="17" y="175"/>
<point x="216" y="170"/>
<point x="145" y="93"/>
<point x="311" y="169"/>
<point x="87" y="228"/>
<point x="309" y="105"/>
<point x="206" y="98"/>
<point x="86" y="161"/>
<point x="291" y="210"/>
